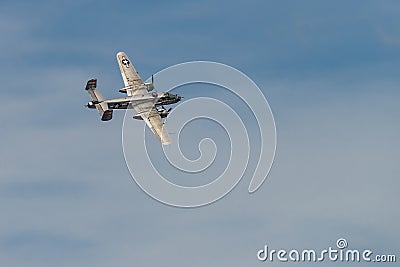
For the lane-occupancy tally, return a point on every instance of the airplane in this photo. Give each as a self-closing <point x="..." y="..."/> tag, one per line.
<point x="140" y="96"/>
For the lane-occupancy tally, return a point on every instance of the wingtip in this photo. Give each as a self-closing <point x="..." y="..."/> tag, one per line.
<point x="121" y="53"/>
<point x="166" y="143"/>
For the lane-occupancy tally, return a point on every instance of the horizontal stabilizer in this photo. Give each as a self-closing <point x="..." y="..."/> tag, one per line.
<point x="98" y="100"/>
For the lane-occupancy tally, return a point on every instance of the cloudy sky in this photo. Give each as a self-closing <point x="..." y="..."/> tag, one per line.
<point x="330" y="71"/>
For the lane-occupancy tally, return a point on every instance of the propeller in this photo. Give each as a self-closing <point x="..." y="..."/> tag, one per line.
<point x="152" y="79"/>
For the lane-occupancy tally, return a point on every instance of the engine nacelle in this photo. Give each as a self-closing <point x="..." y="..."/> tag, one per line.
<point x="137" y="117"/>
<point x="162" y="112"/>
<point x="149" y="87"/>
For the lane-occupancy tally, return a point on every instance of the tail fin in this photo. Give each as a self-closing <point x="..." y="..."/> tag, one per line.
<point x="98" y="100"/>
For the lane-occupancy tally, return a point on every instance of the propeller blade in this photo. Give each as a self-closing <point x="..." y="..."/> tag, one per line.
<point x="169" y="109"/>
<point x="152" y="79"/>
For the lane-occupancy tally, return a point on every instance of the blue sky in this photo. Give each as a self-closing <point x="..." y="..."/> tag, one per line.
<point x="328" y="69"/>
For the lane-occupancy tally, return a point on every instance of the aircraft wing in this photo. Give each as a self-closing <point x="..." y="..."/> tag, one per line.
<point x="129" y="74"/>
<point x="149" y="114"/>
<point x="153" y="120"/>
<point x="147" y="109"/>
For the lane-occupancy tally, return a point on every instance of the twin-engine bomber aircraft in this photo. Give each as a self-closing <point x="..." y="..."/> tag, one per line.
<point x="139" y="97"/>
